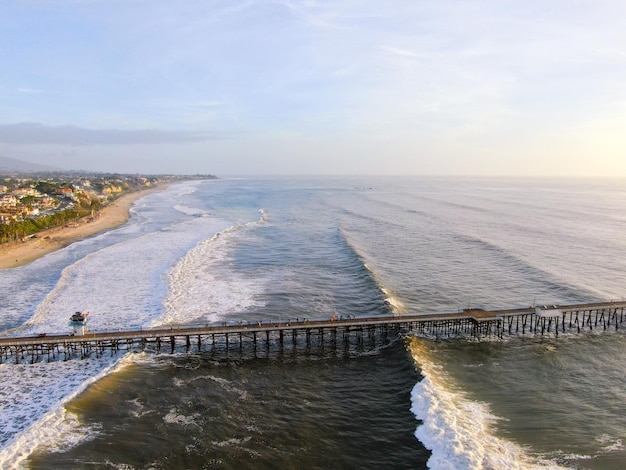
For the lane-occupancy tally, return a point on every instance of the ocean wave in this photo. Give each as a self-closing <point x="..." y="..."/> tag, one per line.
<point x="187" y="188"/>
<point x="189" y="210"/>
<point x="610" y="443"/>
<point x="458" y="431"/>
<point x="37" y="416"/>
<point x="202" y="288"/>
<point x="122" y="284"/>
<point x="391" y="299"/>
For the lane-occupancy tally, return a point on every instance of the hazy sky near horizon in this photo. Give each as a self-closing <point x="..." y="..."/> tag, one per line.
<point x="447" y="87"/>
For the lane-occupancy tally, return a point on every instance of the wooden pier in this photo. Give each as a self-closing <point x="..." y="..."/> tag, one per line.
<point x="474" y="324"/>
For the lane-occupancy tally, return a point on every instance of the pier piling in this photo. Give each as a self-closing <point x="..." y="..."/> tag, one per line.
<point x="472" y="324"/>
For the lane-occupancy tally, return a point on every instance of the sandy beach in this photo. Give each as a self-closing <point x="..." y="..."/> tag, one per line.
<point x="46" y="241"/>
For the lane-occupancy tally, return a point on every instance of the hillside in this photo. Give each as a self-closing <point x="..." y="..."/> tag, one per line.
<point x="13" y="165"/>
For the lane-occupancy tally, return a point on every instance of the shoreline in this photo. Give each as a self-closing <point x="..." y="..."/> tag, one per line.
<point x="113" y="215"/>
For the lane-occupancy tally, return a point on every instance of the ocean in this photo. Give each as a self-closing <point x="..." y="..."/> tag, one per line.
<point x="274" y="249"/>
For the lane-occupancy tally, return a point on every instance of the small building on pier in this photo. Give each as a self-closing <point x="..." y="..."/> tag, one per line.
<point x="78" y="322"/>
<point x="548" y="312"/>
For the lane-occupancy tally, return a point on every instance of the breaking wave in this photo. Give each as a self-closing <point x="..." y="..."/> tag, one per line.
<point x="203" y="289"/>
<point x="457" y="430"/>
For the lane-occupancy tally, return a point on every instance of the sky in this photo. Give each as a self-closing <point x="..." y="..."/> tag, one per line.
<point x="337" y="87"/>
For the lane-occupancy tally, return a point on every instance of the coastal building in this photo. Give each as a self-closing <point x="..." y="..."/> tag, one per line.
<point x="8" y="200"/>
<point x="65" y="192"/>
<point x="6" y="217"/>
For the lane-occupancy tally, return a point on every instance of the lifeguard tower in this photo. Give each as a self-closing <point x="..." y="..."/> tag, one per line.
<point x="78" y="322"/>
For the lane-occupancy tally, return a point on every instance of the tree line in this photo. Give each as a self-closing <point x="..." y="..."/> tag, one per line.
<point x="18" y="230"/>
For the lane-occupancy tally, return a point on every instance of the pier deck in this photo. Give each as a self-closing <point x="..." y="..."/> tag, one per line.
<point x="470" y="323"/>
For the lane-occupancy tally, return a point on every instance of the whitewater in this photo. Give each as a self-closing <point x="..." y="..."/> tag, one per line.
<point x="138" y="267"/>
<point x="232" y="250"/>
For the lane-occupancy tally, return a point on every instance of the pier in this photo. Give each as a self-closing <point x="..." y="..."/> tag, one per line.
<point x="335" y="332"/>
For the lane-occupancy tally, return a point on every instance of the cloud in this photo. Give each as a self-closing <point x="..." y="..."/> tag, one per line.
<point x="30" y="91"/>
<point x="399" y="52"/>
<point x="34" y="134"/>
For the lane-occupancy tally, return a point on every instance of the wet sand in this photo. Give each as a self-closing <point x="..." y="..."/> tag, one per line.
<point x="47" y="241"/>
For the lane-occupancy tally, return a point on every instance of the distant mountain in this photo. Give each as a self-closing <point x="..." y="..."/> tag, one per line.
<point x="13" y="165"/>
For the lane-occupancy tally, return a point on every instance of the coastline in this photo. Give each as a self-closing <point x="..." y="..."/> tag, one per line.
<point x="113" y="215"/>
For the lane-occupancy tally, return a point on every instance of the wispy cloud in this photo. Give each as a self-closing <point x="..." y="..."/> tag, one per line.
<point x="400" y="52"/>
<point x="35" y="134"/>
<point x="411" y="72"/>
<point x="30" y="91"/>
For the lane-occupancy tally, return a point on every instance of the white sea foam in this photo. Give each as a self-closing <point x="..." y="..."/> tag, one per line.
<point x="138" y="412"/>
<point x="33" y="407"/>
<point x="229" y="387"/>
<point x="187" y="188"/>
<point x="225" y="384"/>
<point x="457" y="430"/>
<point x="175" y="417"/>
<point x="397" y="306"/>
<point x="202" y="288"/>
<point x="232" y="442"/>
<point x="394" y="302"/>
<point x="189" y="210"/>
<point x="123" y="285"/>
<point x="610" y="443"/>
<point x="264" y="216"/>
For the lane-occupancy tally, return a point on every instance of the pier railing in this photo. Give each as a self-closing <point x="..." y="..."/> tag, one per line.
<point x="475" y="324"/>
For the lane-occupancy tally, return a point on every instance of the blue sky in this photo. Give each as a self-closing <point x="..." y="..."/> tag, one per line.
<point x="447" y="87"/>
